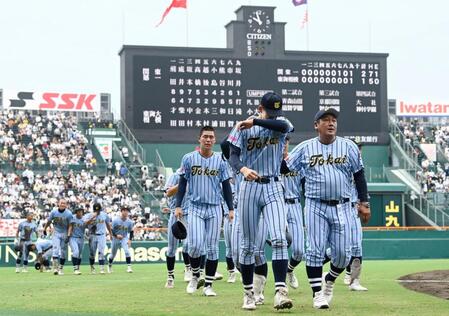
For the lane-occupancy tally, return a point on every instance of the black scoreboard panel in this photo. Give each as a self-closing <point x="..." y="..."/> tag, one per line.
<point x="174" y="96"/>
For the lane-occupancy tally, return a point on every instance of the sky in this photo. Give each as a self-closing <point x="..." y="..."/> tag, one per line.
<point x="64" y="45"/>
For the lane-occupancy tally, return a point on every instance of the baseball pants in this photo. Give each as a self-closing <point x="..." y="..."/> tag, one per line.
<point x="76" y="244"/>
<point x="116" y="244"/>
<point x="328" y="225"/>
<point x="97" y="243"/>
<point x="227" y="232"/>
<point x="296" y="229"/>
<point x="356" y="233"/>
<point x="203" y="229"/>
<point x="59" y="245"/>
<point x="256" y="198"/>
<point x="235" y="238"/>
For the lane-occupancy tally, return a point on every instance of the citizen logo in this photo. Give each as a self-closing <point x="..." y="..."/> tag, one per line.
<point x="251" y="36"/>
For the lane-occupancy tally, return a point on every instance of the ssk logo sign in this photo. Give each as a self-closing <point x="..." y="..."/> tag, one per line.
<point x="51" y="101"/>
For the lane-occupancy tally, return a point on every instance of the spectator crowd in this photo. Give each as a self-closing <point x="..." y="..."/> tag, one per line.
<point x="54" y="140"/>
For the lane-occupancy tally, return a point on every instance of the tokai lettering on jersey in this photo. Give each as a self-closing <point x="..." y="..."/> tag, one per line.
<point x="198" y="171"/>
<point x="261" y="142"/>
<point x="318" y="159"/>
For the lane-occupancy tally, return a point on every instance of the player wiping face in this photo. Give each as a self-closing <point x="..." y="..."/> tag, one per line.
<point x="256" y="152"/>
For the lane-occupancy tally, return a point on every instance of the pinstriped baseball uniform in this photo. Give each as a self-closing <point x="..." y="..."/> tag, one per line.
<point x="172" y="241"/>
<point x="76" y="241"/>
<point x="124" y="228"/>
<point x="204" y="177"/>
<point x="328" y="171"/>
<point x="292" y="186"/>
<point x="61" y="221"/>
<point x="26" y="229"/>
<point x="261" y="150"/>
<point x="356" y="225"/>
<point x="97" y="237"/>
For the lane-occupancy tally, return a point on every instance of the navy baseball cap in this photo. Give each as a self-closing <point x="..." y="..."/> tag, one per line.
<point x="272" y="103"/>
<point x="322" y="113"/>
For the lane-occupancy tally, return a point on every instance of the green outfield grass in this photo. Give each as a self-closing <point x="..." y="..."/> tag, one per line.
<point x="143" y="293"/>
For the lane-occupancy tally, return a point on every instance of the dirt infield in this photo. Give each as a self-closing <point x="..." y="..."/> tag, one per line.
<point x="435" y="283"/>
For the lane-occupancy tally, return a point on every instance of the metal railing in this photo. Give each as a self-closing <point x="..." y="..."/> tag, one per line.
<point x="159" y="161"/>
<point x="129" y="137"/>
<point x="407" y="151"/>
<point x="429" y="209"/>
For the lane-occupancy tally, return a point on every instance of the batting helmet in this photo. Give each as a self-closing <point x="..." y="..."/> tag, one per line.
<point x="97" y="207"/>
<point x="179" y="230"/>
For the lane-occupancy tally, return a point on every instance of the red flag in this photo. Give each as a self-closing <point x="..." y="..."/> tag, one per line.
<point x="174" y="4"/>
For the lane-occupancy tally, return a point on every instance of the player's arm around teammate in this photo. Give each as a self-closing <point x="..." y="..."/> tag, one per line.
<point x="256" y="152"/>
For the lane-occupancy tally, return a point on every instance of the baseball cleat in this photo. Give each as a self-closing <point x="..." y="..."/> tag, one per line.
<point x="77" y="272"/>
<point x="92" y="270"/>
<point x="232" y="277"/>
<point x="129" y="270"/>
<point x="25" y="270"/>
<point x="187" y="275"/>
<point x="170" y="283"/>
<point x="319" y="301"/>
<point x="249" y="302"/>
<point x="355" y="286"/>
<point x="102" y="271"/>
<point x="328" y="290"/>
<point x="281" y="300"/>
<point x="192" y="286"/>
<point x="209" y="291"/>
<point x="218" y="276"/>
<point x="60" y="272"/>
<point x="17" y="270"/>
<point x="347" y="279"/>
<point x="200" y="283"/>
<point x="110" y="268"/>
<point x="292" y="280"/>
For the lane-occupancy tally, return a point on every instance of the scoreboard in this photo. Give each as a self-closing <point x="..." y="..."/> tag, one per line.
<point x="169" y="93"/>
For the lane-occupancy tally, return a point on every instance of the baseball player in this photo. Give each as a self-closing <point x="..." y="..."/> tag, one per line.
<point x="329" y="165"/>
<point x="23" y="240"/>
<point x="98" y="224"/>
<point x="256" y="152"/>
<point x="292" y="187"/>
<point x="122" y="235"/>
<point x="207" y="175"/>
<point x="171" y="188"/>
<point x="43" y="248"/>
<point x="76" y="232"/>
<point x="61" y="218"/>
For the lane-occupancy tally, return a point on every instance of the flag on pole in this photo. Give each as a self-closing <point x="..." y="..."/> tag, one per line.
<point x="174" y="4"/>
<point x="305" y="19"/>
<point x="299" y="2"/>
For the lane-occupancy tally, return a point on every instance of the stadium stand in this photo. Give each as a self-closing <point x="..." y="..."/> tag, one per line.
<point x="46" y="156"/>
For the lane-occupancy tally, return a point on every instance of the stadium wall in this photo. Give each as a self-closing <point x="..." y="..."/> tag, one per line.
<point x="377" y="245"/>
<point x="171" y="154"/>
